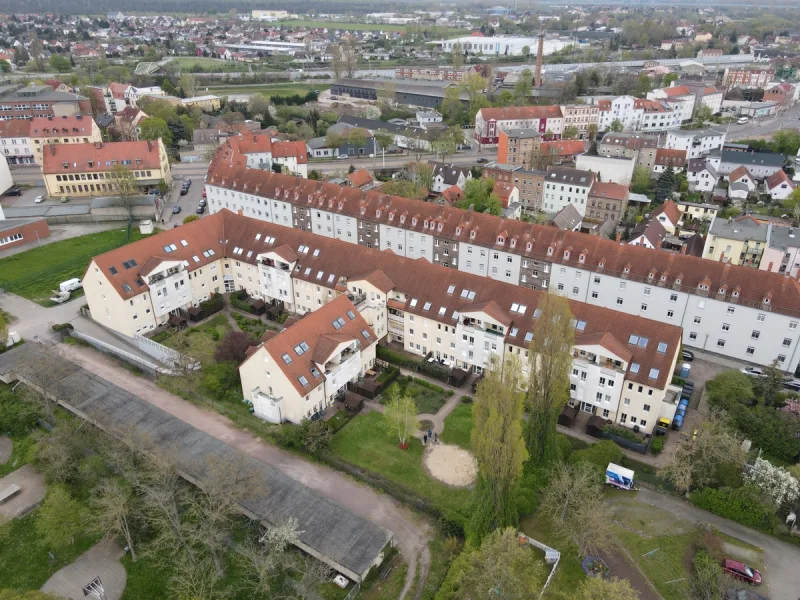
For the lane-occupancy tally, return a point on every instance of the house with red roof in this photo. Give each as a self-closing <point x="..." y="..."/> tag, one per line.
<point x="360" y="179"/>
<point x="778" y="185"/>
<point x="544" y="119"/>
<point x="678" y="96"/>
<point x="508" y="193"/>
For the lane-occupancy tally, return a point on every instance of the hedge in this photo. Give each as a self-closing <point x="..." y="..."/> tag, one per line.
<point x="743" y="505"/>
<point x="598" y="455"/>
<point x="429" y="385"/>
<point x="239" y="301"/>
<point x="420" y="366"/>
<point x="213" y="305"/>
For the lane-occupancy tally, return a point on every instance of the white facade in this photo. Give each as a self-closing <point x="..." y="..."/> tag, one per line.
<point x="18" y="150"/>
<point x="678" y="307"/>
<point x="608" y="168"/>
<point x="696" y="144"/>
<point x="557" y="195"/>
<point x="596" y="380"/>
<point x="5" y="178"/>
<point x="713" y="100"/>
<point x="622" y="109"/>
<point x="502" y="45"/>
<point x="701" y="181"/>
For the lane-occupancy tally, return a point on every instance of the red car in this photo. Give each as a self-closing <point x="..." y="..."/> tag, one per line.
<point x="204" y="193"/>
<point x="741" y="571"/>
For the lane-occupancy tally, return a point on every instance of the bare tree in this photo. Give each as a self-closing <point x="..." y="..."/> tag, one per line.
<point x="694" y="462"/>
<point x="267" y="558"/>
<point x="114" y="509"/>
<point x="574" y="501"/>
<point x="337" y="60"/>
<point x="126" y="130"/>
<point x="46" y="375"/>
<point x="188" y="83"/>
<point x="123" y="184"/>
<point x="416" y="147"/>
<point x="197" y="580"/>
<point x="227" y="481"/>
<point x="350" y="58"/>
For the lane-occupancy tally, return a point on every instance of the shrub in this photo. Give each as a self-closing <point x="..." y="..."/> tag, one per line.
<point x="213" y="305"/>
<point x="598" y="455"/>
<point x="239" y="301"/>
<point x="233" y="347"/>
<point x="429" y="385"/>
<point x="388" y="375"/>
<point x="657" y="445"/>
<point x="63" y="327"/>
<point x="466" y="399"/>
<point x="222" y="380"/>
<point x="622" y="432"/>
<point x="395" y="358"/>
<point x="743" y="505"/>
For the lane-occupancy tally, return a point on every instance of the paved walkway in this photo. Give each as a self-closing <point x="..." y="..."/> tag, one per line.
<point x="411" y="532"/>
<point x="781" y="559"/>
<point x="32" y="492"/>
<point x="6" y="447"/>
<point x="101" y="560"/>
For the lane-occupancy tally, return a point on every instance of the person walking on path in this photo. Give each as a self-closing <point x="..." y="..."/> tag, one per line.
<point x="425" y="439"/>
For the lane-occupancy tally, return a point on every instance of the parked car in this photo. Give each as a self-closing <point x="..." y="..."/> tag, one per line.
<point x="201" y="210"/>
<point x="480" y="161"/>
<point x="39" y="199"/>
<point x="14" y="191"/>
<point x="685" y="368"/>
<point x="184" y="190"/>
<point x="65" y="199"/>
<point x="792" y="384"/>
<point x="176" y="209"/>
<point x="187" y="183"/>
<point x="739" y="570"/>
<point x="753" y="372"/>
<point x="743" y="120"/>
<point x="202" y="203"/>
<point x="204" y="193"/>
<point x="688" y="355"/>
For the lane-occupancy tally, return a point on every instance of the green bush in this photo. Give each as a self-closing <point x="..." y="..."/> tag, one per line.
<point x="429" y="385"/>
<point x="743" y="505"/>
<point x="239" y="301"/>
<point x="622" y="432"/>
<point x="17" y="417"/>
<point x="599" y="455"/>
<point x="466" y="399"/>
<point x="62" y="327"/>
<point x="213" y="305"/>
<point x="388" y="375"/>
<point x="657" y="445"/>
<point x="395" y="358"/>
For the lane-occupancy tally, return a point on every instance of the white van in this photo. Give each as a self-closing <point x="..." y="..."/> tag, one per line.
<point x="743" y="120"/>
<point x="70" y="285"/>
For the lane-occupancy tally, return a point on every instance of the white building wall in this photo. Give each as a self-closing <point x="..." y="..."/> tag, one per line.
<point x="5" y="176"/>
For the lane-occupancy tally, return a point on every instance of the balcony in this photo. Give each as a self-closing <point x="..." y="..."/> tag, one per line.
<point x="268" y="262"/>
<point x="358" y="300"/>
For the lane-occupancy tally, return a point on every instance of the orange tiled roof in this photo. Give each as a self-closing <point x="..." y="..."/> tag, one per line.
<point x="76" y="157"/>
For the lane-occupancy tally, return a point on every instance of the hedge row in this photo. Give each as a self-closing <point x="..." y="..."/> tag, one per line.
<point x="743" y="505"/>
<point x="213" y="305"/>
<point x="420" y="366"/>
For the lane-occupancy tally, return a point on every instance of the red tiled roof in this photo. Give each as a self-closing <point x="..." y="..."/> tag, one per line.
<point x="359" y="178"/>
<point x="17" y="128"/>
<point x="615" y="191"/>
<point x="738" y="173"/>
<point x="649" y="106"/>
<point x="777" y="178"/>
<point x="118" y="90"/>
<point x="671" y="210"/>
<point x="671" y="158"/>
<point x="287" y="149"/>
<point x="379" y="279"/>
<point x="564" y="147"/>
<point x="453" y="194"/>
<point x="322" y="338"/>
<point x="503" y="191"/>
<point x="513" y="113"/>
<point x="77" y="156"/>
<point x="75" y="125"/>
<point x="681" y="272"/>
<point x="417" y="279"/>
<point x="678" y="90"/>
<point x="607" y="341"/>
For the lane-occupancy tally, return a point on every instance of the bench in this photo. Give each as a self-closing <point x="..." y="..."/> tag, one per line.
<point x="9" y="492"/>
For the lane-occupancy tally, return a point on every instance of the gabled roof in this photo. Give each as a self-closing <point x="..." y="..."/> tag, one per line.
<point x="359" y="178"/>
<point x="449" y="173"/>
<point x="379" y="279"/>
<point x="678" y="90"/>
<point x="563" y="147"/>
<point x="777" y="178"/>
<point x="670" y="210"/>
<point x="567" y="218"/>
<point x="316" y="337"/>
<point x="136" y="155"/>
<point x="515" y="113"/>
<point x="607" y="341"/>
<point x="652" y="230"/>
<point x="428" y="290"/>
<point x="753" y="158"/>
<point x="615" y="191"/>
<point x="670" y="158"/>
<point x="453" y="194"/>
<point x="491" y="308"/>
<point x="740" y="173"/>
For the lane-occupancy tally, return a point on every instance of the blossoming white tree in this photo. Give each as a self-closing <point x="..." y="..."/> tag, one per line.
<point x="776" y="482"/>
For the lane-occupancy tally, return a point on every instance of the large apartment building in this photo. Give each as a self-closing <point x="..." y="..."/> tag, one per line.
<point x="544" y="119"/>
<point x="88" y="169"/>
<point x="693" y="293"/>
<point x="353" y="296"/>
<point x="18" y="102"/>
<point x="23" y="140"/>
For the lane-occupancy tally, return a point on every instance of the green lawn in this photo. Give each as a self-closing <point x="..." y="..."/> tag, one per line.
<point x="458" y="426"/>
<point x="338" y="25"/>
<point x="428" y="400"/>
<point x="20" y="454"/>
<point x="389" y="588"/>
<point x="270" y="89"/>
<point x="365" y="442"/>
<point x="210" y="65"/>
<point x="202" y="340"/>
<point x="34" y="273"/>
<point x="24" y="562"/>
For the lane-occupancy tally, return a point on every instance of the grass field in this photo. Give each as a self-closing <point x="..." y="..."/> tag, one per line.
<point x="365" y="442"/>
<point x="458" y="426"/>
<point x="209" y="65"/>
<point x="428" y="400"/>
<point x="202" y="340"/>
<point x="338" y="25"/>
<point x="34" y="273"/>
<point x="270" y="89"/>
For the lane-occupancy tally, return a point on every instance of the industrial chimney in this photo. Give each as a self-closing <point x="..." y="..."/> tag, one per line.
<point x="539" y="55"/>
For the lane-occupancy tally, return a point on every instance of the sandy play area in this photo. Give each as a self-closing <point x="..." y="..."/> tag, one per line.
<point x="451" y="464"/>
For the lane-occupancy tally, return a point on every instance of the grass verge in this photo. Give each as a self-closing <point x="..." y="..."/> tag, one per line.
<point x="458" y="426"/>
<point x="569" y="573"/>
<point x="275" y="89"/>
<point x="33" y="274"/>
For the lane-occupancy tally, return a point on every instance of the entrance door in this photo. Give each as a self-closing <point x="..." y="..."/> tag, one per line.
<point x="587" y="408"/>
<point x="230" y="286"/>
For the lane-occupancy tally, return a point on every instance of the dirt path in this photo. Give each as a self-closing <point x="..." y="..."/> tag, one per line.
<point x="411" y="532"/>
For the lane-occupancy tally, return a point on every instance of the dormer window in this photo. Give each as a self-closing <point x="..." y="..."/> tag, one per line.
<point x="602" y="264"/>
<point x="735" y="293"/>
<point x="378" y="214"/>
<point x="391" y="216"/>
<point x="402" y="218"/>
<point x="472" y="234"/>
<point x="458" y="230"/>
<point x="651" y="274"/>
<point x="766" y="299"/>
<point x="627" y="269"/>
<point x="722" y="290"/>
<point x="426" y="223"/>
<point x="678" y="281"/>
<point x="513" y="243"/>
<point x="582" y="258"/>
<point x="414" y="221"/>
<point x="663" y="277"/>
<point x="440" y="227"/>
<point x="529" y="247"/>
<point x="549" y="251"/>
<point x="566" y="254"/>
<point x="500" y="239"/>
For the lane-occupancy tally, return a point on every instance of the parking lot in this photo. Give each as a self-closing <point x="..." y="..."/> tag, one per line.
<point x="188" y="203"/>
